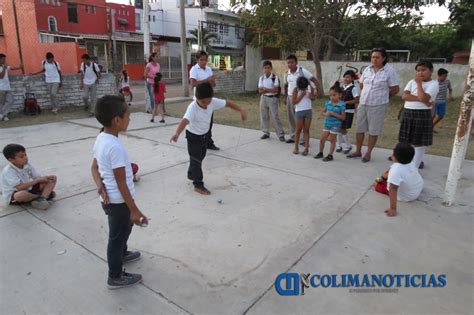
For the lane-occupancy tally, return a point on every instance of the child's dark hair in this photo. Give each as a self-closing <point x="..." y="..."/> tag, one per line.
<point x="11" y="150"/>
<point x="292" y="57"/>
<point x="157" y="79"/>
<point x="85" y="57"/>
<point x="383" y="52"/>
<point x="153" y="55"/>
<point x="200" y="54"/>
<point x="442" y="71"/>
<point x="404" y="152"/>
<point x="108" y="107"/>
<point x="336" y="87"/>
<point x="267" y="63"/>
<point x="351" y="73"/>
<point x="49" y="55"/>
<point x="204" y="90"/>
<point x="424" y="63"/>
<point x="2" y="55"/>
<point x="302" y="83"/>
<point x="125" y="75"/>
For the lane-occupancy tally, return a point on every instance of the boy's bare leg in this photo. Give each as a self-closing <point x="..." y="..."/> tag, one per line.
<point x="48" y="187"/>
<point x="24" y="196"/>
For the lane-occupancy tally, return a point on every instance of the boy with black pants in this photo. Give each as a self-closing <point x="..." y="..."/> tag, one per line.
<point x="113" y="175"/>
<point x="197" y="121"/>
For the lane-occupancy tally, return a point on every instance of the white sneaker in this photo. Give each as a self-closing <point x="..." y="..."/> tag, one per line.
<point x="6" y="118"/>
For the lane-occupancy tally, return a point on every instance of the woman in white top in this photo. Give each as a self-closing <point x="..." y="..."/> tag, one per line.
<point x="301" y="99"/>
<point x="417" y="123"/>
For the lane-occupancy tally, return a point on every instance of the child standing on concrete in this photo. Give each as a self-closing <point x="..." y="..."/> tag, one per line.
<point x="442" y="97"/>
<point x="113" y="175"/>
<point x="402" y="181"/>
<point x="6" y="95"/>
<point x="125" y="87"/>
<point x="21" y="183"/>
<point x="302" y="98"/>
<point x="159" y="90"/>
<point x="197" y="120"/>
<point x="90" y="76"/>
<point x="334" y="114"/>
<point x="350" y="96"/>
<point x="269" y="88"/>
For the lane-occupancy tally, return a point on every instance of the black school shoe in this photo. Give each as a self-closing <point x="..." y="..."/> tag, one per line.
<point x="125" y="280"/>
<point x="202" y="190"/>
<point x="213" y="147"/>
<point x="131" y="256"/>
<point x="264" y="136"/>
<point x="290" y="141"/>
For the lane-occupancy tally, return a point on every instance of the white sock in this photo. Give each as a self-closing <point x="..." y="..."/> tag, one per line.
<point x="347" y="140"/>
<point x="339" y="141"/>
<point x="419" y="153"/>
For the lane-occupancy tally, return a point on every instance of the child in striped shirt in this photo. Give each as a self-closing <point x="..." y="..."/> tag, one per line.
<point x="442" y="97"/>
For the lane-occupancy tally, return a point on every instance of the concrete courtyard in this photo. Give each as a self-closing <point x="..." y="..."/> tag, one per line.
<point x="279" y="213"/>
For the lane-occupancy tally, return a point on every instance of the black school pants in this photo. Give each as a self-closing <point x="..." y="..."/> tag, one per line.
<point x="210" y="142"/>
<point x="197" y="147"/>
<point x="120" y="227"/>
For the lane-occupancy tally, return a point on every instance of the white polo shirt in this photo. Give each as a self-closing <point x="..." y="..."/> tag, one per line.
<point x="51" y="71"/>
<point x="305" y="102"/>
<point x="429" y="87"/>
<point x="200" y="118"/>
<point x="5" y="81"/>
<point x="111" y="154"/>
<point x="292" y="77"/>
<point x="197" y="73"/>
<point x="408" y="180"/>
<point x="13" y="176"/>
<point x="270" y="82"/>
<point x="89" y="76"/>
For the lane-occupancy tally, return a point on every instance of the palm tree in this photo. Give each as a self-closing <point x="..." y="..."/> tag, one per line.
<point x="206" y="37"/>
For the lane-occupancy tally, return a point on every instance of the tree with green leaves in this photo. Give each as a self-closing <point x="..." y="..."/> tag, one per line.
<point x="317" y="25"/>
<point x="205" y="39"/>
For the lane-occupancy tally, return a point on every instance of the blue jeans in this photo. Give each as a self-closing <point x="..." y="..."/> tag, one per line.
<point x="149" y="88"/>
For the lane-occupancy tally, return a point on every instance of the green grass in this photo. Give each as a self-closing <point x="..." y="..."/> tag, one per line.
<point x="443" y="141"/>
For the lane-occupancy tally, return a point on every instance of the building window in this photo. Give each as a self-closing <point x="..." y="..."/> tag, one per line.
<point x="138" y="24"/>
<point x="90" y="9"/>
<point x="237" y="32"/>
<point x="72" y="13"/>
<point x="224" y="29"/>
<point x="149" y="18"/>
<point x="212" y="27"/>
<point x="153" y="18"/>
<point x="52" y="24"/>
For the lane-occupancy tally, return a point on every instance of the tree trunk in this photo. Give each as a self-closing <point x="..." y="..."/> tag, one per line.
<point x="329" y="49"/>
<point x="315" y="49"/>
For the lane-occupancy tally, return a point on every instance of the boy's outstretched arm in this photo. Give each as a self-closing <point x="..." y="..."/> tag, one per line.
<point x="233" y="105"/>
<point x="120" y="178"/>
<point x="98" y="182"/>
<point x="392" y="192"/>
<point x="183" y="123"/>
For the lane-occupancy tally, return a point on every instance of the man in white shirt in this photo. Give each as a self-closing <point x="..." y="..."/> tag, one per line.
<point x="201" y="73"/>
<point x="53" y="79"/>
<point x="294" y="72"/>
<point x="90" y="76"/>
<point x="6" y="96"/>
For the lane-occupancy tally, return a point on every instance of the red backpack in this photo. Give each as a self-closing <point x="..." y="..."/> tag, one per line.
<point x="31" y="106"/>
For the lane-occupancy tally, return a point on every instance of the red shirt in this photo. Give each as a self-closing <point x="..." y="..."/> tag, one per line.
<point x="160" y="96"/>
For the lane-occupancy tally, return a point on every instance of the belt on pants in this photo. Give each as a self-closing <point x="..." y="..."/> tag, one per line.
<point x="274" y="95"/>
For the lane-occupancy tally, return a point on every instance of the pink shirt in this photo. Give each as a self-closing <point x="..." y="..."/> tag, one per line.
<point x="152" y="71"/>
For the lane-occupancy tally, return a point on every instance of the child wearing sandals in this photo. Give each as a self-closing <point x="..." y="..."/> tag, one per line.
<point x="301" y="99"/>
<point x="402" y="181"/>
<point x="334" y="114"/>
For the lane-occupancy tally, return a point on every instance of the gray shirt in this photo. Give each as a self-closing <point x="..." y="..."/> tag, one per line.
<point x="13" y="176"/>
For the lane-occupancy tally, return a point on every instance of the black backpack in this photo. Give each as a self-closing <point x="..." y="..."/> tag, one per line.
<point x="93" y="64"/>
<point x="55" y="63"/>
<point x="30" y="105"/>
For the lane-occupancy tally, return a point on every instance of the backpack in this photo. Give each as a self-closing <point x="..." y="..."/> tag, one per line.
<point x="30" y="105"/>
<point x="93" y="64"/>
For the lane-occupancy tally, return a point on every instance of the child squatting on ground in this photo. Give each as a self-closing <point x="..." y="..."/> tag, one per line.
<point x="334" y="114"/>
<point x="113" y="176"/>
<point x="402" y="181"/>
<point x="301" y="99"/>
<point x="197" y="120"/>
<point x="22" y="183"/>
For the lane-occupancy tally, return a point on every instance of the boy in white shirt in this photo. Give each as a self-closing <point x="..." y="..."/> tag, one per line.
<point x="53" y="79"/>
<point x="90" y="76"/>
<point x="197" y="120"/>
<point x="402" y="181"/>
<point x="21" y="183"/>
<point x="269" y="88"/>
<point x="113" y="175"/>
<point x="6" y="95"/>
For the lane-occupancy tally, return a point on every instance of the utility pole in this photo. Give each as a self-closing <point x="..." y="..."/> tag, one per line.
<point x="18" y="38"/>
<point x="146" y="31"/>
<point x="184" y="65"/>
<point x="462" y="135"/>
<point x="114" y="44"/>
